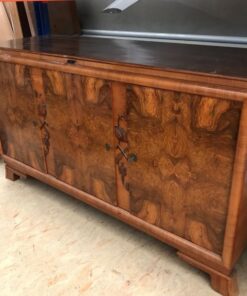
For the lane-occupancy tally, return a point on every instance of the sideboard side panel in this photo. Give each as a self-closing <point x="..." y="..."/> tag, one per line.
<point x="241" y="239"/>
<point x="236" y="234"/>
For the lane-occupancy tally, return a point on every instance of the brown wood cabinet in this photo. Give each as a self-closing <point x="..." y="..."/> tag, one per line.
<point x="156" y="137"/>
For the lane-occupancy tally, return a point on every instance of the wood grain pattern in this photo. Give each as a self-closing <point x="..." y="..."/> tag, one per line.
<point x="236" y="236"/>
<point x="119" y="109"/>
<point x="226" y="285"/>
<point x="80" y="133"/>
<point x="20" y="123"/>
<point x="183" y="144"/>
<point x="185" y="246"/>
<point x="241" y="236"/>
<point x="13" y="174"/>
<point x="211" y="60"/>
<point x="160" y="145"/>
<point x="214" y="86"/>
<point x="10" y="174"/>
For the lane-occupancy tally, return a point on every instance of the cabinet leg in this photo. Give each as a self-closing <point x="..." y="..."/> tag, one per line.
<point x="12" y="174"/>
<point x="221" y="283"/>
<point x="226" y="286"/>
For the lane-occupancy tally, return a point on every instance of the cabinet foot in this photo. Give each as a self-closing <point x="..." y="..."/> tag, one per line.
<point x="12" y="174"/>
<point x="221" y="283"/>
<point x="226" y="286"/>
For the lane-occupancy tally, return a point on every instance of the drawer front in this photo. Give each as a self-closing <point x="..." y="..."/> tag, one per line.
<point x="79" y="140"/>
<point x="181" y="150"/>
<point x="20" y="116"/>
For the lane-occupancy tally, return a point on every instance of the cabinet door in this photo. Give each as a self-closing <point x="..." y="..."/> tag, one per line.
<point x="180" y="151"/>
<point x="79" y="146"/>
<point x="21" y="117"/>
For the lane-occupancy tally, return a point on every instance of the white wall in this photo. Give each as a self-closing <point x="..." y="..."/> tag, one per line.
<point x="203" y="17"/>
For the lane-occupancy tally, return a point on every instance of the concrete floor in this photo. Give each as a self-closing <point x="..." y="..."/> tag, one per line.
<point x="51" y="244"/>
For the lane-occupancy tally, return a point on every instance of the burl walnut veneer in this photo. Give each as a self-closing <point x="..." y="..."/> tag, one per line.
<point x="154" y="134"/>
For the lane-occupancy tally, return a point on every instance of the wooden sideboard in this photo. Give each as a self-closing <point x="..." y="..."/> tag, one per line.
<point x="154" y="134"/>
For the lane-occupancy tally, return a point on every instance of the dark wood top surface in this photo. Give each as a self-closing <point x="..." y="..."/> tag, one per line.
<point x="194" y="58"/>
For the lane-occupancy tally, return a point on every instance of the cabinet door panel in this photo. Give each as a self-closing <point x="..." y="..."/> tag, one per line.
<point x="80" y="130"/>
<point x="184" y="146"/>
<point x="21" y="121"/>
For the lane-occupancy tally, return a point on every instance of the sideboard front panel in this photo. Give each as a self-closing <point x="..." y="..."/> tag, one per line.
<point x="80" y="130"/>
<point x="184" y="146"/>
<point x="173" y="152"/>
<point x="20" y="120"/>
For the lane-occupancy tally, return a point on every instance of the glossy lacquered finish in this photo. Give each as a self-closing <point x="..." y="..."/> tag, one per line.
<point x="186" y="57"/>
<point x="163" y="150"/>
